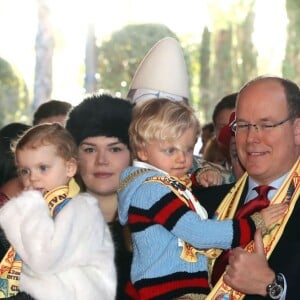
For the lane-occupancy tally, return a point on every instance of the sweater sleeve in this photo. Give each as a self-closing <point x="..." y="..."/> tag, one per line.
<point x="172" y="213"/>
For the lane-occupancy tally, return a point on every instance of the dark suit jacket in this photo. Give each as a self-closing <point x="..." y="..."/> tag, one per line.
<point x="285" y="258"/>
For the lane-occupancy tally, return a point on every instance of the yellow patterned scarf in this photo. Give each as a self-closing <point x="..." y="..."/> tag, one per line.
<point x="11" y="264"/>
<point x="289" y="191"/>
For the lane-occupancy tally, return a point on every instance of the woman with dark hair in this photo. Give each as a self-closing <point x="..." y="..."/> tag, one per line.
<point x="10" y="185"/>
<point x="99" y="125"/>
<point x="7" y="164"/>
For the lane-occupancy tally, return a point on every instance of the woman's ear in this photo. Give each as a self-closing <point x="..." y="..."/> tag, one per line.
<point x="71" y="166"/>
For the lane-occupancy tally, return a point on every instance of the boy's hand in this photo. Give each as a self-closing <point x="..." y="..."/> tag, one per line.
<point x="273" y="213"/>
<point x="209" y="177"/>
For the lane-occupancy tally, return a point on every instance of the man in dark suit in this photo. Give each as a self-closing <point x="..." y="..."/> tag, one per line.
<point x="267" y="132"/>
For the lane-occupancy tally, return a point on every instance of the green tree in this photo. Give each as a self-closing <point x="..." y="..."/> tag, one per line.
<point x="222" y="72"/>
<point x="44" y="46"/>
<point x="14" y="100"/>
<point x="120" y="55"/>
<point x="245" y="54"/>
<point x="291" y="63"/>
<point x="90" y="60"/>
<point x="205" y="50"/>
<point x="229" y="59"/>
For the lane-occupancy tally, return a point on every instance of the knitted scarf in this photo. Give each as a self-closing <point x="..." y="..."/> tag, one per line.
<point x="288" y="192"/>
<point x="11" y="264"/>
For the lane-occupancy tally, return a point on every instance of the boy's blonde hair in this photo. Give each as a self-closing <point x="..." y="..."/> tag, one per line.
<point x="160" y="119"/>
<point x="48" y="134"/>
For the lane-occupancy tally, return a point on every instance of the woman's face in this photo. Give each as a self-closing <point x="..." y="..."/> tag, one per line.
<point x="101" y="160"/>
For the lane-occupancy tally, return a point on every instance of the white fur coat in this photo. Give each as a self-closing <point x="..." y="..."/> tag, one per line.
<point x="68" y="258"/>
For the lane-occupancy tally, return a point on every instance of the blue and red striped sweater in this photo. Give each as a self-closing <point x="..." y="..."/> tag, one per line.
<point x="158" y="219"/>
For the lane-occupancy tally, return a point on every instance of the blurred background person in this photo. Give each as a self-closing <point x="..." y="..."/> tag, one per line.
<point x="51" y="111"/>
<point x="11" y="185"/>
<point x="222" y="111"/>
<point x="227" y="139"/>
<point x="9" y="182"/>
<point x="220" y="117"/>
<point x="207" y="133"/>
<point x="213" y="153"/>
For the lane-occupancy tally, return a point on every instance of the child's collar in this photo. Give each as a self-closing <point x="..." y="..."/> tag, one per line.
<point x="144" y="165"/>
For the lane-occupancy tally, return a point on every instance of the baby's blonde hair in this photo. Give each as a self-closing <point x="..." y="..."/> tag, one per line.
<point x="160" y="119"/>
<point x="48" y="134"/>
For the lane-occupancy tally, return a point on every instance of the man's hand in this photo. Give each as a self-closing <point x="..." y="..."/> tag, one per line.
<point x="247" y="272"/>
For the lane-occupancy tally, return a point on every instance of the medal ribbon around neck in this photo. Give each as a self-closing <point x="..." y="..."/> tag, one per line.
<point x="57" y="198"/>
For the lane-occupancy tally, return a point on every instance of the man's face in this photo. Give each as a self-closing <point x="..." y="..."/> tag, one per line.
<point x="269" y="153"/>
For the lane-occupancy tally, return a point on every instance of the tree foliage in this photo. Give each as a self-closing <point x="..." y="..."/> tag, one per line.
<point x="245" y="63"/>
<point x="14" y="98"/>
<point x="120" y="55"/>
<point x="291" y="64"/>
<point x="227" y="54"/>
<point x="205" y="53"/>
<point x="44" y="46"/>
